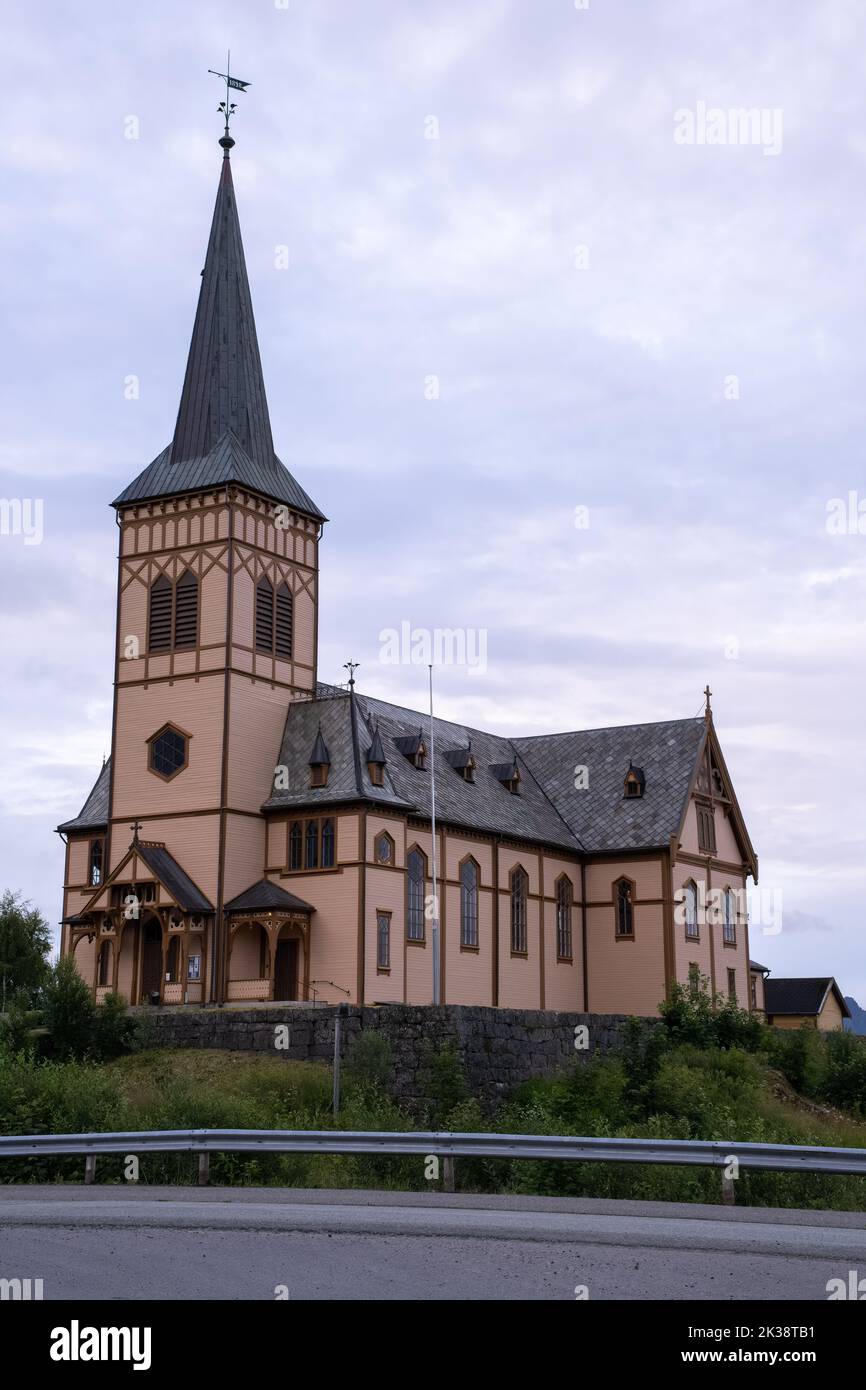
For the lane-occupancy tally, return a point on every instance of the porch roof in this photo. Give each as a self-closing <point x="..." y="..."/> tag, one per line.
<point x="265" y="896"/>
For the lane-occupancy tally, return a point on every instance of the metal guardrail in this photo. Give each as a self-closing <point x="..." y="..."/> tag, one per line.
<point x="792" y="1158"/>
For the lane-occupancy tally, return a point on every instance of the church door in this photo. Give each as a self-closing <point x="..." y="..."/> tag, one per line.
<point x="151" y="961"/>
<point x="286" y="970"/>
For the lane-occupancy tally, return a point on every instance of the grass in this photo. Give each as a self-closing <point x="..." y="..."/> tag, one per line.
<point x="687" y="1091"/>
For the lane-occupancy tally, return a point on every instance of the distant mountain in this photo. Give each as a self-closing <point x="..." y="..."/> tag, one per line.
<point x="857" y="1022"/>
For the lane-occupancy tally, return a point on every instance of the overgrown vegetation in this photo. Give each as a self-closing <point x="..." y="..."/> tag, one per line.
<point x="708" y="1070"/>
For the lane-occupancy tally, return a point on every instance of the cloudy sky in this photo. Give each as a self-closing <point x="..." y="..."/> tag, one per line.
<point x="520" y="281"/>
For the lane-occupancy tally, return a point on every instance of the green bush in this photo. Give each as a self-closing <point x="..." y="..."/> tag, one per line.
<point x="369" y="1064"/>
<point x="69" y="1011"/>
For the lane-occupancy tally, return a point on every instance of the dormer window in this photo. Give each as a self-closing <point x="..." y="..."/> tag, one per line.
<point x="463" y="762"/>
<point x="320" y="762"/>
<point x="509" y="775"/>
<point x="376" y="761"/>
<point x="635" y="781"/>
<point x="413" y="747"/>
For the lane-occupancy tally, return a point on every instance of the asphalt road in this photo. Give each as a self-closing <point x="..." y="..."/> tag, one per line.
<point x="170" y="1243"/>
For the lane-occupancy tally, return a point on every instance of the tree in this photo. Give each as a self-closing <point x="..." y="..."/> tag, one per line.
<point x="69" y="1010"/>
<point x="25" y="941"/>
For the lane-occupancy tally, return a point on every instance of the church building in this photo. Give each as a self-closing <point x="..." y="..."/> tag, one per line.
<point x="258" y="835"/>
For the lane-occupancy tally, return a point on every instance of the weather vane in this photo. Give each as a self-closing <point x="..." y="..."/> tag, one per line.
<point x="227" y="107"/>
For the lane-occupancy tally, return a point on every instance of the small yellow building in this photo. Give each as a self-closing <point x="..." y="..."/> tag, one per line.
<point x="818" y="1002"/>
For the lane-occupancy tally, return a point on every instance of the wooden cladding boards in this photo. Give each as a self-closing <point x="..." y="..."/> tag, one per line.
<point x="172" y="523"/>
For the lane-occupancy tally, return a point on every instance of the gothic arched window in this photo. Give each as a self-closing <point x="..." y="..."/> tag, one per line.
<point x="623" y="891"/>
<point x="311" y="858"/>
<point x="564" y="905"/>
<point x="296" y="836"/>
<point x="690" y="902"/>
<point x="328" y="844"/>
<point x="469" y="903"/>
<point x="94" y="877"/>
<point x="519" y="890"/>
<point x="416" y="866"/>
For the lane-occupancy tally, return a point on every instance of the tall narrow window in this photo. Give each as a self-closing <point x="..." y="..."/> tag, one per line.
<point x="104" y="963"/>
<point x="172" y="961"/>
<point x="328" y="844"/>
<point x="564" y="905"/>
<point x="519" y="889"/>
<point x="469" y="904"/>
<point x="296" y="836"/>
<point x="690" y="902"/>
<point x="706" y="830"/>
<point x="383" y="940"/>
<point x="95" y="875"/>
<point x="732" y="986"/>
<point x="416" y="867"/>
<point x="186" y="610"/>
<point x="730" y="927"/>
<point x="159" y="620"/>
<point x="283" y="627"/>
<point x="311" y="858"/>
<point x="694" y="979"/>
<point x="624" y="908"/>
<point x="264" y="616"/>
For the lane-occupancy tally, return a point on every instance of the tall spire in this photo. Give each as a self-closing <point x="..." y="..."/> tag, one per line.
<point x="223" y="388"/>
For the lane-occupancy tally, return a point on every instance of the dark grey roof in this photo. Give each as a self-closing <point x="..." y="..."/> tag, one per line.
<point x="483" y="804"/>
<point x="755" y="965"/>
<point x="223" y="429"/>
<point x="226" y="463"/>
<point x="175" y="879"/>
<point x="94" y="813"/>
<point x="549" y="809"/>
<point x="320" y="757"/>
<point x="376" y="753"/>
<point x="599" y="815"/>
<point x="265" y="896"/>
<point x="801" y="996"/>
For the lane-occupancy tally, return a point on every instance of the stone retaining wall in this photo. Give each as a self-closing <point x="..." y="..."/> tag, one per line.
<point x="499" y="1048"/>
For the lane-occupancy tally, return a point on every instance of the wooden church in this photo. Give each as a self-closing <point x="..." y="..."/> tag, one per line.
<point x="257" y="835"/>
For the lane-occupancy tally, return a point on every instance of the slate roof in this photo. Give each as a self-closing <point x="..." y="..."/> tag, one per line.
<point x="265" y="896"/>
<point x="801" y="996"/>
<point x="94" y="813"/>
<point x="601" y="816"/>
<point x="755" y="965"/>
<point x="227" y="462"/>
<point x="223" y="428"/>
<point x="176" y="879"/>
<point x="548" y="809"/>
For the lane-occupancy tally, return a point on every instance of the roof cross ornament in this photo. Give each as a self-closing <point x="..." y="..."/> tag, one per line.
<point x="135" y="827"/>
<point x="351" y="667"/>
<point x="708" y="711"/>
<point x="227" y="107"/>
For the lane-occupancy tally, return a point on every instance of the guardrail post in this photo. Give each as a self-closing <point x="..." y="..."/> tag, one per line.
<point x="729" y="1196"/>
<point x="448" y="1173"/>
<point x="203" y="1169"/>
<point x="90" y="1168"/>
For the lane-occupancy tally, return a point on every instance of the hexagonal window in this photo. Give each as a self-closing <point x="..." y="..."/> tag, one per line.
<point x="168" y="751"/>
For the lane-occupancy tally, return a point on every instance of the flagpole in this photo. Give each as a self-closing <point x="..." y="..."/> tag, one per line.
<point x="435" y="922"/>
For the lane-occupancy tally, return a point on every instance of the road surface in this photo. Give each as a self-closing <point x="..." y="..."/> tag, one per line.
<point x="182" y="1243"/>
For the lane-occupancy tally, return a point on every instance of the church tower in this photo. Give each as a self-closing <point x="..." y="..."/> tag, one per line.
<point x="216" y="635"/>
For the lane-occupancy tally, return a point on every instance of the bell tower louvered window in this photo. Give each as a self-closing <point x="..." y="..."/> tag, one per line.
<point x="186" y="610"/>
<point x="264" y="616"/>
<point x="159" y="622"/>
<point x="284" y="618"/>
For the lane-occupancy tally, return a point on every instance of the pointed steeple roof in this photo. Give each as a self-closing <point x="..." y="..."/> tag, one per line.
<point x="223" y="429"/>
<point x="223" y="388"/>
